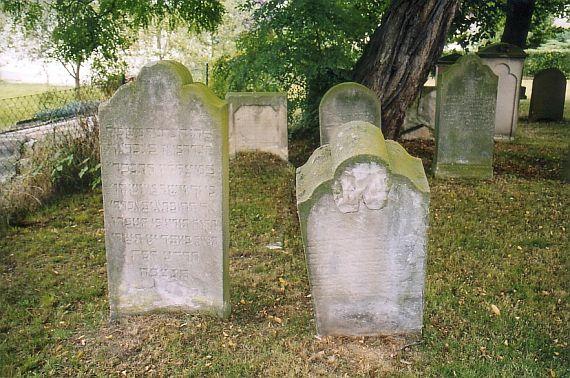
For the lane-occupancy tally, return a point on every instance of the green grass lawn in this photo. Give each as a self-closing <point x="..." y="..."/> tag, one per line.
<point x="20" y="102"/>
<point x="9" y="90"/>
<point x="502" y="242"/>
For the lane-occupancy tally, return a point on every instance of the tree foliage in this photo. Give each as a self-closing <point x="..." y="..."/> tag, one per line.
<point x="299" y="46"/>
<point x="75" y="31"/>
<point x="480" y="21"/>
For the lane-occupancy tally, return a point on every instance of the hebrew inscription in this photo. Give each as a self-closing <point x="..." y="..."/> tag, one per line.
<point x="465" y="122"/>
<point x="165" y="194"/>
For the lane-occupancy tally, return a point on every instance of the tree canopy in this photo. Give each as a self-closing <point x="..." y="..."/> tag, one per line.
<point x="75" y="31"/>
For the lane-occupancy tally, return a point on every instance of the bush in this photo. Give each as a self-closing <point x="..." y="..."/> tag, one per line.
<point x="63" y="162"/>
<point x="538" y="60"/>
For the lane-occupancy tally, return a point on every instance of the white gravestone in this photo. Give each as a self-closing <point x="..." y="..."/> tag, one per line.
<point x="258" y="122"/>
<point x="164" y="157"/>
<point x="344" y="103"/>
<point x="363" y="207"/>
<point x="506" y="61"/>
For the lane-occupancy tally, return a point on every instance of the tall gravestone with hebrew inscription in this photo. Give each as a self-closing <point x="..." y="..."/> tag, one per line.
<point x="347" y="102"/>
<point x="548" y="96"/>
<point x="258" y="122"/>
<point x="363" y="206"/>
<point x="465" y="120"/>
<point x="164" y="157"/>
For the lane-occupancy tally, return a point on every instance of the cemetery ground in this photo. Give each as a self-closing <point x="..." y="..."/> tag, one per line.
<point x="496" y="301"/>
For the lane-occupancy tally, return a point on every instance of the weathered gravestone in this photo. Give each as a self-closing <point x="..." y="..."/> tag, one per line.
<point x="420" y="117"/>
<point x="363" y="205"/>
<point x="347" y="102"/>
<point x="506" y="61"/>
<point x="465" y="120"/>
<point x="164" y="157"/>
<point x="547" y="96"/>
<point x="258" y="121"/>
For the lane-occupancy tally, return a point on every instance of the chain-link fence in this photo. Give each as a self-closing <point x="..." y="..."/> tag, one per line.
<point x="42" y="119"/>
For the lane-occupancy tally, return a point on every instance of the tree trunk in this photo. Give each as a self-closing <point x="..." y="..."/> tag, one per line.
<point x="401" y="52"/>
<point x="519" y="16"/>
<point x="77" y="79"/>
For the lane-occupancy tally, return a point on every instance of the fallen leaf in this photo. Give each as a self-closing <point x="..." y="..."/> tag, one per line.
<point x="495" y="310"/>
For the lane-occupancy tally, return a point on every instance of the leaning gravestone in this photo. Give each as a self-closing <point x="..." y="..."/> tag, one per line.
<point x="506" y="61"/>
<point x="347" y="102"/>
<point x="419" y="122"/>
<point x="465" y="121"/>
<point x="258" y="122"/>
<point x="547" y="96"/>
<point x="363" y="205"/>
<point x="164" y="159"/>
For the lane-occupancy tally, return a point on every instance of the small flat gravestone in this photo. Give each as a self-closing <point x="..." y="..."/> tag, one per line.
<point x="363" y="206"/>
<point x="164" y="157"/>
<point x="258" y="122"/>
<point x="347" y="102"/>
<point x="547" y="96"/>
<point x="465" y="120"/>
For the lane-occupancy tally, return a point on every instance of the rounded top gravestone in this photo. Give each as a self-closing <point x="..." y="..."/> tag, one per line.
<point x="164" y="170"/>
<point x="548" y="96"/>
<point x="363" y="204"/>
<point x="347" y="102"/>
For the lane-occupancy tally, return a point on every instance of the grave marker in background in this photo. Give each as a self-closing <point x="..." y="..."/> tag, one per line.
<point x="258" y="122"/>
<point x="347" y="102"/>
<point x="363" y="205"/>
<point x="164" y="159"/>
<point x="506" y="61"/>
<point x="465" y="120"/>
<point x="547" y="96"/>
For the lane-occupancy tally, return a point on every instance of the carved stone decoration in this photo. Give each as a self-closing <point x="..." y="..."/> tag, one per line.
<point x="363" y="205"/>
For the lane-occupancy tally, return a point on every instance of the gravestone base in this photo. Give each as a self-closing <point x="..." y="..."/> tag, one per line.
<point x="463" y="171"/>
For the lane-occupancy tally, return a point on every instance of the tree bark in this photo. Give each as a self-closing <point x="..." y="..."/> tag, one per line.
<point x="401" y="52"/>
<point x="519" y="16"/>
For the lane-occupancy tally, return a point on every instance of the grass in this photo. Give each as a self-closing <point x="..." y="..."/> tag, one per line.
<point x="9" y="90"/>
<point x="502" y="242"/>
<point x="20" y="102"/>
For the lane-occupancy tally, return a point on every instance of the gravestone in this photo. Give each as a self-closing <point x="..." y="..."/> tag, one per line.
<point x="363" y="206"/>
<point x="420" y="117"/>
<point x="258" y="122"/>
<point x="506" y="61"/>
<point x="347" y="102"/>
<point x="465" y="120"/>
<point x="547" y="96"/>
<point x="164" y="157"/>
<point x="444" y="63"/>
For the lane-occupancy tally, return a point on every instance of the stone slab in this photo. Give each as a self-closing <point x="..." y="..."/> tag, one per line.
<point x="258" y="122"/>
<point x="506" y="61"/>
<point x="164" y="156"/>
<point x="465" y="120"/>
<point x="548" y="96"/>
<point x="420" y="117"/>
<point x="347" y="102"/>
<point x="363" y="205"/>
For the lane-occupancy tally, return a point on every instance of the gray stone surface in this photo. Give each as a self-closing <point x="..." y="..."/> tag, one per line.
<point x="420" y="117"/>
<point x="465" y="120"/>
<point x="258" y="122"/>
<point x="363" y="205"/>
<point x="547" y="96"/>
<point x="164" y="154"/>
<point x="506" y="61"/>
<point x="347" y="102"/>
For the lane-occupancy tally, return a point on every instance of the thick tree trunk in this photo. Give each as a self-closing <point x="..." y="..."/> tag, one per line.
<point x="519" y="16"/>
<point x="400" y="54"/>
